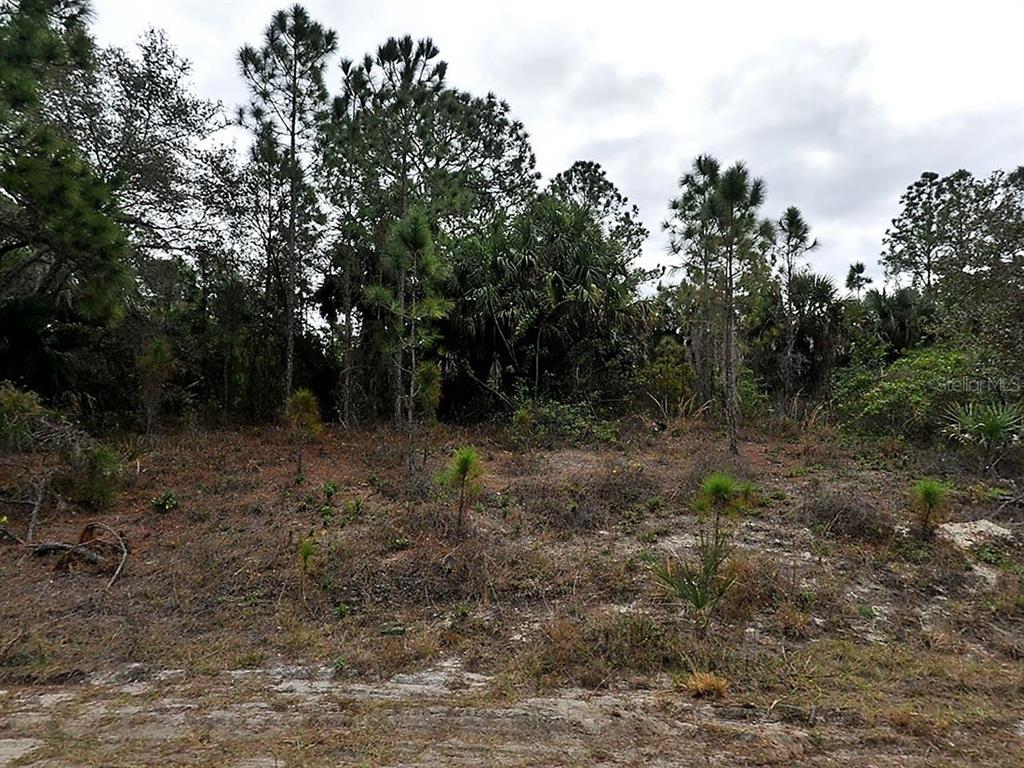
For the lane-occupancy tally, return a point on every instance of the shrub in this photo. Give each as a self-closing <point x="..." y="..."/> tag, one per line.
<point x="165" y="502"/>
<point x="94" y="478"/>
<point x="21" y="412"/>
<point x="904" y="398"/>
<point x="845" y="513"/>
<point x="929" y="497"/>
<point x="990" y="428"/>
<point x="548" y="422"/>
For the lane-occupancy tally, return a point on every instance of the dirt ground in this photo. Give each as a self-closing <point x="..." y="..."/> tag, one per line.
<point x="536" y="636"/>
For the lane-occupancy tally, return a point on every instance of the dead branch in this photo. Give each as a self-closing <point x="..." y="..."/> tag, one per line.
<point x="81" y="549"/>
<point x="121" y="543"/>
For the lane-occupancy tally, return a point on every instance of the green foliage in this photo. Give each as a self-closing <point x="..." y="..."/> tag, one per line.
<point x="700" y="584"/>
<point x="930" y="497"/>
<point x="166" y="502"/>
<point x="21" y="412"/>
<point x="667" y="377"/>
<point x="428" y="390"/>
<point x="94" y="479"/>
<point x="720" y="492"/>
<point x="462" y="472"/>
<point x="550" y="422"/>
<point x="907" y="398"/>
<point x="307" y="548"/>
<point x="991" y="428"/>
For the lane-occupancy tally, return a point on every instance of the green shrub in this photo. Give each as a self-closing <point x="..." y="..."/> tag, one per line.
<point x="94" y="478"/>
<point x="21" y="413"/>
<point x="910" y="397"/>
<point x="547" y="421"/>
<point x="166" y="502"/>
<point x="991" y="428"/>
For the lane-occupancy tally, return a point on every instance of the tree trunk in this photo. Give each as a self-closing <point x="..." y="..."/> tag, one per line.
<point x="290" y="270"/>
<point x="346" y="396"/>
<point x="399" y="342"/>
<point x="731" y="395"/>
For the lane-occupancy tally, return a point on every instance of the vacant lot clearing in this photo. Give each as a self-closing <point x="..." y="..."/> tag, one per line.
<point x="538" y="634"/>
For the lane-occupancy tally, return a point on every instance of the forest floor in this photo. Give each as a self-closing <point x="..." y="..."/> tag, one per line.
<point x="538" y="635"/>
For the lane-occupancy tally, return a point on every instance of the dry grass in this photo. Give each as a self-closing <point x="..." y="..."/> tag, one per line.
<point x="706" y="685"/>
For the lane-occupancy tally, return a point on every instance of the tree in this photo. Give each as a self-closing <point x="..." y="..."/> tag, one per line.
<point x="692" y="233"/>
<point x="586" y="184"/>
<point x="288" y="99"/>
<point x="912" y="244"/>
<point x="794" y="244"/>
<point x="856" y="280"/>
<point x="742" y="239"/>
<point x="413" y="310"/>
<point x="62" y="254"/>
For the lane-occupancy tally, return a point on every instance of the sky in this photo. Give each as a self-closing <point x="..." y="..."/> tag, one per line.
<point x="837" y="106"/>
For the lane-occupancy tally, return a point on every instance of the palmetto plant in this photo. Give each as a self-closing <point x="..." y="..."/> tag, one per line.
<point x="992" y="428"/>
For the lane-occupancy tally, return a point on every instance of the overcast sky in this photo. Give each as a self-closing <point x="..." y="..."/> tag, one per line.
<point x="838" y="106"/>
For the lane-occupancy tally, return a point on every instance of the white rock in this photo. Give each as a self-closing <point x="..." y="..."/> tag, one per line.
<point x="969" y="535"/>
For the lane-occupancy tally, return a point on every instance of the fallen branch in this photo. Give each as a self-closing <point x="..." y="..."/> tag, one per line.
<point x="82" y="550"/>
<point x="49" y="547"/>
<point x="124" y="550"/>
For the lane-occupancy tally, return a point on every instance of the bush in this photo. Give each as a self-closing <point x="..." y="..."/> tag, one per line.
<point x="990" y="428"/>
<point x="547" y="421"/>
<point x="845" y="513"/>
<point x="21" y="413"/>
<point x="94" y="479"/>
<point x="910" y="397"/>
<point x="166" y="502"/>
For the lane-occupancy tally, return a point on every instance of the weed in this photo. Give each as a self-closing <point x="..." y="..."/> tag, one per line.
<point x="165" y="502"/>
<point x="706" y="685"/>
<point x="845" y="513"/>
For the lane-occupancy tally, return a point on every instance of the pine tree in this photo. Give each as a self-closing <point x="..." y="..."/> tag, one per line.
<point x="288" y="97"/>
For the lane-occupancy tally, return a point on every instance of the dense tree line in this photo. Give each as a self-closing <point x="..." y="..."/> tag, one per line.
<point x="384" y="239"/>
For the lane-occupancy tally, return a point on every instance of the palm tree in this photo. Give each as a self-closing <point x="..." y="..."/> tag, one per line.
<point x="795" y="243"/>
